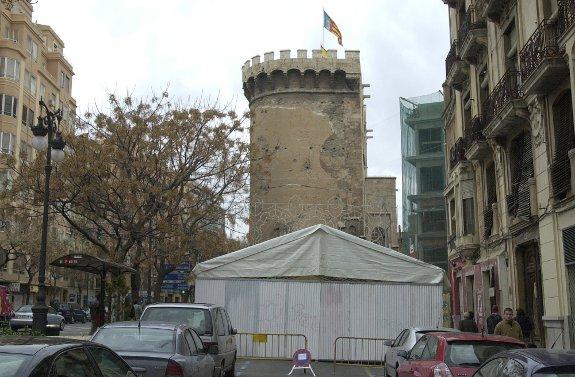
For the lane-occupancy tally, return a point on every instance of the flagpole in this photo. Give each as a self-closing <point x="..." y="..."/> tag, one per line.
<point x="323" y="28"/>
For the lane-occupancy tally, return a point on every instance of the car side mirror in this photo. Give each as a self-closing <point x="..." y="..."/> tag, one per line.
<point x="403" y="354"/>
<point x="234" y="331"/>
<point x="388" y="343"/>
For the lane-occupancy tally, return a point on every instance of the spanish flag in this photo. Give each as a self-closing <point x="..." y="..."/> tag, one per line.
<point x="332" y="27"/>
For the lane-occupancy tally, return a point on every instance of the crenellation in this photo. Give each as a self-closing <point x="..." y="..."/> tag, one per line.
<point x="352" y="54"/>
<point x="332" y="53"/>
<point x="302" y="54"/>
<point x="255" y="60"/>
<point x="316" y="54"/>
<point x="285" y="54"/>
<point x="268" y="56"/>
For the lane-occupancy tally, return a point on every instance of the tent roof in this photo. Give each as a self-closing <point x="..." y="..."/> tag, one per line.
<point x="320" y="251"/>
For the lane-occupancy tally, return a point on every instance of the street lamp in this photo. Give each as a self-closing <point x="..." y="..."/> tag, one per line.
<point x="47" y="136"/>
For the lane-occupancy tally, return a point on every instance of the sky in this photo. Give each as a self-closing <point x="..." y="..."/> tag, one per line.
<point x="196" y="48"/>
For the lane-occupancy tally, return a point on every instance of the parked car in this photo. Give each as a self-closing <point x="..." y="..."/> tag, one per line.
<point x="452" y="354"/>
<point x="212" y="324"/>
<point x="158" y="349"/>
<point x="46" y="356"/>
<point x="529" y="362"/>
<point x="405" y="341"/>
<point x="72" y="312"/>
<point x="23" y="318"/>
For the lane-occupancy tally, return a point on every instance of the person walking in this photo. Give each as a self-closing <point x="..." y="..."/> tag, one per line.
<point x="525" y="323"/>
<point x="509" y="327"/>
<point x="468" y="324"/>
<point x="493" y="319"/>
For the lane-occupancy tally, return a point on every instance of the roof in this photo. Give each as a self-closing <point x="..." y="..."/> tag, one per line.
<point x="145" y="324"/>
<point x="181" y="305"/>
<point x="434" y="329"/>
<point x="29" y="345"/>
<point x="466" y="336"/>
<point x="546" y="357"/>
<point x="90" y="264"/>
<point x="320" y="252"/>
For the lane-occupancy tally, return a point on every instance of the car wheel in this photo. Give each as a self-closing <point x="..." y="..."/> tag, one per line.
<point x="232" y="371"/>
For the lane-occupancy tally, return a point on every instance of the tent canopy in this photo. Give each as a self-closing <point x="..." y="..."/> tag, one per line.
<point x="321" y="252"/>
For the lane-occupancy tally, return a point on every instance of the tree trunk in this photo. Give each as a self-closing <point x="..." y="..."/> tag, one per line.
<point x="135" y="280"/>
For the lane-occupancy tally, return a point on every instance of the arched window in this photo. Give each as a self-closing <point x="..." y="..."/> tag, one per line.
<point x="564" y="136"/>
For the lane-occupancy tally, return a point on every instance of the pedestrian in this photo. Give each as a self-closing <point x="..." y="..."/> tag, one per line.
<point x="525" y="323"/>
<point x="468" y="324"/>
<point x="493" y="319"/>
<point x="509" y="327"/>
<point x="96" y="314"/>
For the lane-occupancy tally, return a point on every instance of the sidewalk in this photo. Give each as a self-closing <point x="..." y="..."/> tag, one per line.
<point x="275" y="368"/>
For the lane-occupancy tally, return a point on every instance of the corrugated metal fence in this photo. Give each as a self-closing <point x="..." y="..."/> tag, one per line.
<point x="324" y="310"/>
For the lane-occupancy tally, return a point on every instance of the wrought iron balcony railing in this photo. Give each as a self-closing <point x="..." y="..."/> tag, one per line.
<point x="566" y="16"/>
<point x="473" y="20"/>
<point x="457" y="152"/>
<point x="475" y="130"/>
<point x="561" y="176"/>
<point x="542" y="44"/>
<point x="506" y="90"/>
<point x="451" y="57"/>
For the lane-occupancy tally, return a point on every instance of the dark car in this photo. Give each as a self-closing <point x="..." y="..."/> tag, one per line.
<point x="536" y="362"/>
<point x="452" y="354"/>
<point x="72" y="312"/>
<point x="47" y="356"/>
<point x="158" y="349"/>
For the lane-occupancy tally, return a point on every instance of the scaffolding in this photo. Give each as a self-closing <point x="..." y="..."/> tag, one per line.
<point x="423" y="178"/>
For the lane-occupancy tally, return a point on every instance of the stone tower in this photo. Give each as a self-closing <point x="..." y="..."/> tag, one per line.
<point x="308" y="139"/>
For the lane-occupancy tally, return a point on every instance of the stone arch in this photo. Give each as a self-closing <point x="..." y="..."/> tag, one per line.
<point x="294" y="78"/>
<point x="309" y="79"/>
<point x="263" y="83"/>
<point x="339" y="81"/>
<point x="279" y="79"/>
<point x="324" y="79"/>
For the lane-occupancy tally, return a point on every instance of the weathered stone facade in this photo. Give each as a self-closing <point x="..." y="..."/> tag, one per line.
<point x="308" y="140"/>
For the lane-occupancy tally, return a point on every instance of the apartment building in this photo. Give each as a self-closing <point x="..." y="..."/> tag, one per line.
<point x="32" y="66"/>
<point x="511" y="162"/>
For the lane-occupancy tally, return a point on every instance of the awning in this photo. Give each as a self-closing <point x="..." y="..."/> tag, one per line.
<point x="91" y="264"/>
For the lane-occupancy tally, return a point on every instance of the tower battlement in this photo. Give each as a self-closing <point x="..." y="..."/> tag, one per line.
<point x="301" y="73"/>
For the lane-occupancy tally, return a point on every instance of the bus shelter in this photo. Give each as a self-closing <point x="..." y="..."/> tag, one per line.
<point x="93" y="265"/>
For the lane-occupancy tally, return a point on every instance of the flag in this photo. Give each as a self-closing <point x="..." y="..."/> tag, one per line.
<point x="332" y="27"/>
<point x="324" y="52"/>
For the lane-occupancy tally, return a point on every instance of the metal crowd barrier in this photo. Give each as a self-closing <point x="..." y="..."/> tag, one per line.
<point x="269" y="345"/>
<point x="348" y="350"/>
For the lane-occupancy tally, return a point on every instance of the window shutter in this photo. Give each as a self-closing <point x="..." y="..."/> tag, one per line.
<point x="467" y="189"/>
<point x="569" y="245"/>
<point x="564" y="141"/>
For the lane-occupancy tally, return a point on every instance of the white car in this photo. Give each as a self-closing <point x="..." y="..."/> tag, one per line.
<point x="405" y="342"/>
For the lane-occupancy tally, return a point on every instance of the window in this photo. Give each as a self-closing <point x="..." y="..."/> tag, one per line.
<point x="431" y="178"/>
<point x="64" y="81"/>
<point x="417" y="350"/>
<point x="12" y="362"/>
<point x="430" y="349"/>
<point x="42" y="91"/>
<point x="492" y="368"/>
<point x="564" y="136"/>
<point x="191" y="343"/>
<point x="433" y="221"/>
<point x="137" y="339"/>
<point x="110" y="365"/>
<point x="222" y="325"/>
<point x="30" y="82"/>
<point x="453" y="217"/>
<point x="9" y="105"/>
<point x="9" y="68"/>
<point x="473" y="353"/>
<point x="430" y="140"/>
<point x="468" y="216"/>
<point x="32" y="48"/>
<point x="73" y="363"/>
<point x="198" y="319"/>
<point x="397" y="341"/>
<point x="52" y="101"/>
<point x="199" y="343"/>
<point x="10" y="34"/>
<point x="27" y="116"/>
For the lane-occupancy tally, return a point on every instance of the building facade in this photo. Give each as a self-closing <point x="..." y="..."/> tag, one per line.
<point x="510" y="136"/>
<point x="32" y="66"/>
<point x="423" y="178"/>
<point x="309" y="152"/>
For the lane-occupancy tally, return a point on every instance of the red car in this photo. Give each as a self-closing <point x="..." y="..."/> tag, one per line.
<point x="452" y="354"/>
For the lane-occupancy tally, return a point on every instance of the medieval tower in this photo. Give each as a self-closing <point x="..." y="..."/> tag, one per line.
<point x="308" y="139"/>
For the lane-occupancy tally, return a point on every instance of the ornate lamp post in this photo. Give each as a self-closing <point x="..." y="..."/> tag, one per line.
<point x="47" y="137"/>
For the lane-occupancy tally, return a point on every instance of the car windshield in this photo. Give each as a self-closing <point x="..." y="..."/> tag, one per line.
<point x="137" y="340"/>
<point x="25" y="309"/>
<point x="473" y="353"/>
<point x="198" y="319"/>
<point x="11" y="363"/>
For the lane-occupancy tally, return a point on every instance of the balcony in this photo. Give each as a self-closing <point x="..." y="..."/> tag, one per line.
<point x="457" y="70"/>
<point x="477" y="146"/>
<point x="472" y="36"/>
<point x="457" y="153"/>
<point x="542" y="63"/>
<point x="505" y="107"/>
<point x="561" y="177"/>
<point x="565" y="18"/>
<point x="495" y="9"/>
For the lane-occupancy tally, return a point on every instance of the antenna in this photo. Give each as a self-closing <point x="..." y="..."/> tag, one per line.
<point x="560" y="334"/>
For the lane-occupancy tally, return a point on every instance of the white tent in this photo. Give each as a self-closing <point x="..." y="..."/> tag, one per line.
<point x="323" y="284"/>
<point x="320" y="251"/>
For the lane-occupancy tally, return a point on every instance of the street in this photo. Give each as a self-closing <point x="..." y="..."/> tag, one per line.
<point x="273" y="368"/>
<point x="76" y="329"/>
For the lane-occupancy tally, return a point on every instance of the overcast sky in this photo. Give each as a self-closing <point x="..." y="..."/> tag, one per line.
<point x="198" y="47"/>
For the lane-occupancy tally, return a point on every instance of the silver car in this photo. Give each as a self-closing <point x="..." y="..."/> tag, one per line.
<point x="405" y="342"/>
<point x="212" y="324"/>
<point x="23" y="318"/>
<point x="158" y="349"/>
